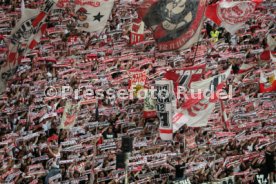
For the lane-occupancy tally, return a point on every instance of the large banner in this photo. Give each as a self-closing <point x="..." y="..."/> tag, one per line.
<point x="24" y="37"/>
<point x="195" y="116"/>
<point x="93" y="15"/>
<point x="70" y="115"/>
<point x="175" y="24"/>
<point x="197" y="107"/>
<point x="231" y="15"/>
<point x="28" y="30"/>
<point x="18" y="43"/>
<point x="164" y="106"/>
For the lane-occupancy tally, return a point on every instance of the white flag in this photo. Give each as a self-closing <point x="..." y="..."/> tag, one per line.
<point x="92" y="16"/>
<point x="199" y="120"/>
<point x="17" y="46"/>
<point x="197" y="108"/>
<point x="232" y="15"/>
<point x="164" y="104"/>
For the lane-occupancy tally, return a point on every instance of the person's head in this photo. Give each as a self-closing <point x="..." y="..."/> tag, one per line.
<point x="110" y="129"/>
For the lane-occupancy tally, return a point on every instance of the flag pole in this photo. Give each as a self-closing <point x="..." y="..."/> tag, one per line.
<point x="222" y="114"/>
<point x="197" y="44"/>
<point x="126" y="167"/>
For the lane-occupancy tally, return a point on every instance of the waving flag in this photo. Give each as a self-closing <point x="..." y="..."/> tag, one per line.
<point x="164" y="104"/>
<point x="137" y="81"/>
<point x="149" y="110"/>
<point x="137" y="32"/>
<point x="231" y="15"/>
<point x="268" y="82"/>
<point x="24" y="37"/>
<point x="195" y="115"/>
<point x="93" y="15"/>
<point x="20" y="35"/>
<point x="214" y="81"/>
<point x="39" y="25"/>
<point x="176" y="24"/>
<point x="197" y="107"/>
<point x="18" y="43"/>
<point x="184" y="76"/>
<point x="70" y="115"/>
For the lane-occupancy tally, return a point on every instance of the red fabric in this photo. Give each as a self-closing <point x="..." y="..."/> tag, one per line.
<point x="189" y="102"/>
<point x="265" y="56"/>
<point x="100" y="141"/>
<point x="164" y="131"/>
<point x="211" y="13"/>
<point x="136" y="38"/>
<point x="272" y="88"/>
<point x="135" y="27"/>
<point x="171" y="75"/>
<point x="53" y="138"/>
<point x="33" y="44"/>
<point x="149" y="114"/>
<point x="38" y="19"/>
<point x="43" y="28"/>
<point x="12" y="57"/>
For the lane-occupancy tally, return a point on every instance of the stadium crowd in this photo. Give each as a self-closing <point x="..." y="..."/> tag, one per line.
<point x="238" y="142"/>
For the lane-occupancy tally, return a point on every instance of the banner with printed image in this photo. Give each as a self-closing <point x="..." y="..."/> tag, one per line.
<point x="176" y="24"/>
<point x="93" y="15"/>
<point x="70" y="115"/>
<point x="196" y="109"/>
<point x="137" y="81"/>
<point x="164" y="105"/>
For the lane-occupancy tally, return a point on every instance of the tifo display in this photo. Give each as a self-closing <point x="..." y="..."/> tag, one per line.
<point x="137" y="92"/>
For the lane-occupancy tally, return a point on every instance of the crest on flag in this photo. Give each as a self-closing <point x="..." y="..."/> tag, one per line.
<point x="231" y="15"/>
<point x="176" y="24"/>
<point x="236" y="14"/>
<point x="93" y="15"/>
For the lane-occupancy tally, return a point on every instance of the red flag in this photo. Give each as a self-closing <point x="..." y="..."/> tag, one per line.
<point x="137" y="32"/>
<point x="184" y="76"/>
